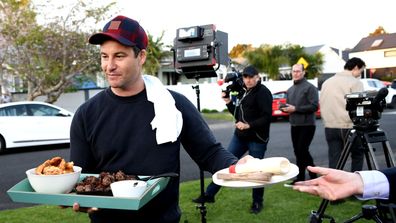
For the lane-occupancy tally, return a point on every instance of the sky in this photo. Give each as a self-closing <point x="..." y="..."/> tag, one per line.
<point x="337" y="23"/>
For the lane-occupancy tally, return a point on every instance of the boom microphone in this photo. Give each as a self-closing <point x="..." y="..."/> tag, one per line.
<point x="381" y="95"/>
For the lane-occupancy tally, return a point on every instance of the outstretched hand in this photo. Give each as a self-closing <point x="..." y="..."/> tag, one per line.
<point x="332" y="185"/>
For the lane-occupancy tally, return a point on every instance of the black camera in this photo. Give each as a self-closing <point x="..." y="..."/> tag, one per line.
<point x="365" y="108"/>
<point x="236" y="84"/>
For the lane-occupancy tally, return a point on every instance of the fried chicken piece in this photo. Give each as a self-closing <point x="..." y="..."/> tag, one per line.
<point x="55" y="166"/>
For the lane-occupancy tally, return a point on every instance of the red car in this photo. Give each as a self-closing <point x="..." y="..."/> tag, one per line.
<point x="278" y="99"/>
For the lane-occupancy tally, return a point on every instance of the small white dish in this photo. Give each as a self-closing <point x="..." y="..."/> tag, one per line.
<point x="128" y="188"/>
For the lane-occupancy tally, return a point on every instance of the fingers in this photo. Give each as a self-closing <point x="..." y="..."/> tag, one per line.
<point x="319" y="170"/>
<point x="77" y="208"/>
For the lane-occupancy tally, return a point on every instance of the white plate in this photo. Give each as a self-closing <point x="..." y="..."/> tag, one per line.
<point x="245" y="184"/>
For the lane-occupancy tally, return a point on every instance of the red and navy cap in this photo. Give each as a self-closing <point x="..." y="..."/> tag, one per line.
<point x="123" y="29"/>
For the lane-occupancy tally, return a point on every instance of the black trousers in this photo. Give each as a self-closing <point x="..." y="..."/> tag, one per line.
<point x="336" y="139"/>
<point x="301" y="138"/>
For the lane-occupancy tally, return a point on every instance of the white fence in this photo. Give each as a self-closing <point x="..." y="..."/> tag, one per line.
<point x="209" y="94"/>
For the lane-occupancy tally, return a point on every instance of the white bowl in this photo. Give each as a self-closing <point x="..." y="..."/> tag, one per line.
<point x="53" y="184"/>
<point x="128" y="188"/>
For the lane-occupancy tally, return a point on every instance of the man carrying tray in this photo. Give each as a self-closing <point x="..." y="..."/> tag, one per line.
<point x="137" y="125"/>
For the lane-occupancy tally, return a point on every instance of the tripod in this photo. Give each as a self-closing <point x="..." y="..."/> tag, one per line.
<point x="368" y="136"/>
<point x="201" y="206"/>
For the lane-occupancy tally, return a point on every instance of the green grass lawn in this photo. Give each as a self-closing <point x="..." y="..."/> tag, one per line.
<point x="281" y="204"/>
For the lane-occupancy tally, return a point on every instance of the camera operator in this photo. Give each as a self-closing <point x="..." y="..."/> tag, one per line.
<point x="334" y="115"/>
<point x="252" y="113"/>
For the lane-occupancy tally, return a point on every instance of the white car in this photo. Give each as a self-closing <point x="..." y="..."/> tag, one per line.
<point x="371" y="84"/>
<point x="33" y="123"/>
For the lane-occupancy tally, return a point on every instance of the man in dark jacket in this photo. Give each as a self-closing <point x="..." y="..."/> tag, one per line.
<point x="302" y="103"/>
<point x="252" y="113"/>
<point x="137" y="126"/>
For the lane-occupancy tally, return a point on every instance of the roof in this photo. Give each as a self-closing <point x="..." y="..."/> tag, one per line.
<point x="312" y="49"/>
<point x="377" y="42"/>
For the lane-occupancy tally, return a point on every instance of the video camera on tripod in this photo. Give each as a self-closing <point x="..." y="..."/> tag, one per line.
<point x="365" y="108"/>
<point x="235" y="81"/>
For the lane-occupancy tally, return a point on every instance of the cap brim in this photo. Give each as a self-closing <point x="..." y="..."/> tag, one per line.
<point x="99" y="38"/>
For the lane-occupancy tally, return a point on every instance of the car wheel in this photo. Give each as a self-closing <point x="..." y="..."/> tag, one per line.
<point x="2" y="144"/>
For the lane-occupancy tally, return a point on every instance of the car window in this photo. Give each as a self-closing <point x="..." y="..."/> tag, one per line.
<point x="43" y="110"/>
<point x="279" y="95"/>
<point x="16" y="110"/>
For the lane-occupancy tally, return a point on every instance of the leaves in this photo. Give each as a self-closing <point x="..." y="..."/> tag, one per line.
<point x="268" y="59"/>
<point x="48" y="56"/>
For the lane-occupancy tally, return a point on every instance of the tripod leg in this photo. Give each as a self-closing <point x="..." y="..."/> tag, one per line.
<point x="354" y="218"/>
<point x="317" y="216"/>
<point x="390" y="159"/>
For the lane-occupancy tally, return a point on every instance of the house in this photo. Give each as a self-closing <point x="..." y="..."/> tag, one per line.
<point x="379" y="53"/>
<point x="334" y="60"/>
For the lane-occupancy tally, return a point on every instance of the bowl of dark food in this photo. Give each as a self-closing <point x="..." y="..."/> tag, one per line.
<point x="54" y="176"/>
<point x="100" y="185"/>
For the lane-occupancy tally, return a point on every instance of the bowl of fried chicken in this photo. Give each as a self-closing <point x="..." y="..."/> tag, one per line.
<point x="54" y="176"/>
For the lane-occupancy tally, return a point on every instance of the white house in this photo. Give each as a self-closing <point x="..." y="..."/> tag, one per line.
<point x="379" y="54"/>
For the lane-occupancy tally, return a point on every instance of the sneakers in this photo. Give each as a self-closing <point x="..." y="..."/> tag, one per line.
<point x="256" y="208"/>
<point x="205" y="199"/>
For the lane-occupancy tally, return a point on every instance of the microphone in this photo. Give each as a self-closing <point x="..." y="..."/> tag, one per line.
<point x="381" y="95"/>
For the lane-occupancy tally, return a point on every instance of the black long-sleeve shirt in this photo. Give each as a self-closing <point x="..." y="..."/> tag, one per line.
<point x="111" y="133"/>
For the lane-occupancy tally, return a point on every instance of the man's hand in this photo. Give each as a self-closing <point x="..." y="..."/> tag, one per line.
<point x="77" y="208"/>
<point x="242" y="126"/>
<point x="332" y="185"/>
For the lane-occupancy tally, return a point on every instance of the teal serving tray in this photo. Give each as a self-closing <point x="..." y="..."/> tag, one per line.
<point x="23" y="192"/>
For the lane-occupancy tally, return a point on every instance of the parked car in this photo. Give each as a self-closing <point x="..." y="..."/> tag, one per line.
<point x="393" y="84"/>
<point x="279" y="99"/>
<point x="371" y="84"/>
<point x="33" y="123"/>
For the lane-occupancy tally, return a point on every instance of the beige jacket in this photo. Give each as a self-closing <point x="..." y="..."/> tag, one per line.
<point x="332" y="101"/>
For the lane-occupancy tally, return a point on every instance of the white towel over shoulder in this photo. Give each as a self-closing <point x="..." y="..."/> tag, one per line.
<point x="167" y="120"/>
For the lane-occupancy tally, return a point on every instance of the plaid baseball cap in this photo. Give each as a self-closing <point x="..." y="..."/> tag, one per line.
<point x="123" y="29"/>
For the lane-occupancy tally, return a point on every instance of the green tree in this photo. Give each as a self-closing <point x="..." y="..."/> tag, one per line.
<point x="269" y="59"/>
<point x="155" y="53"/>
<point x="47" y="57"/>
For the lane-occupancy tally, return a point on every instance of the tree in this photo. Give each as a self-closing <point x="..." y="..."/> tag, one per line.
<point x="269" y="59"/>
<point x="48" y="56"/>
<point x="378" y="31"/>
<point x="155" y="53"/>
<point x="239" y="50"/>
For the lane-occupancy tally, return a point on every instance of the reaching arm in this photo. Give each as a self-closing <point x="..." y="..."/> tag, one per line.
<point x="332" y="185"/>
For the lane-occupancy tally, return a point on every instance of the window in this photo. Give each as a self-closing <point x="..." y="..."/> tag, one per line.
<point x="17" y="110"/>
<point x="377" y="43"/>
<point x="43" y="110"/>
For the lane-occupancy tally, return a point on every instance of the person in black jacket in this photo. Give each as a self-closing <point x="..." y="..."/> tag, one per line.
<point x="252" y="113"/>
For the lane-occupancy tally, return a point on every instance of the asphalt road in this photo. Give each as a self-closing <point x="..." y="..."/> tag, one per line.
<point x="15" y="163"/>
